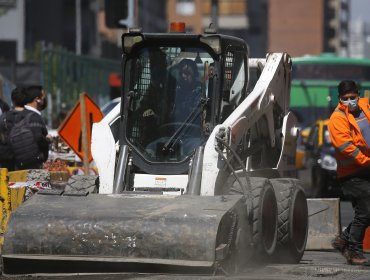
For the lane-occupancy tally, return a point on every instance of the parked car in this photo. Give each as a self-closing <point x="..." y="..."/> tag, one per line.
<point x="300" y="155"/>
<point x="320" y="160"/>
<point x="106" y="108"/>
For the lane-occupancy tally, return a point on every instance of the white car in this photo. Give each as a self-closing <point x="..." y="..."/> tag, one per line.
<point x="110" y="105"/>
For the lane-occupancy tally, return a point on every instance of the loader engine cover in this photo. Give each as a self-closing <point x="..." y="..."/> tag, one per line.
<point x="125" y="232"/>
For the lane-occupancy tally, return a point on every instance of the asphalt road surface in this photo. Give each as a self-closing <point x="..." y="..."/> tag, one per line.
<point x="314" y="265"/>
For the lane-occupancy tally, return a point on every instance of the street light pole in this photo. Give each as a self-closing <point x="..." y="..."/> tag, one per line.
<point x="214" y="14"/>
<point x="78" y="27"/>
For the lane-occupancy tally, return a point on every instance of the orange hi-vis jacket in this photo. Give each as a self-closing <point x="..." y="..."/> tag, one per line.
<point x="352" y="152"/>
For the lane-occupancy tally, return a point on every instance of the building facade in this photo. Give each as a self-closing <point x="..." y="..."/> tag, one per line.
<point x="359" y="39"/>
<point x="12" y="30"/>
<point x="308" y="26"/>
<point x="297" y="27"/>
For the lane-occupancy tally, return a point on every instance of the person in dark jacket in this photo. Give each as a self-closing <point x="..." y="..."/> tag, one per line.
<point x="7" y="121"/>
<point x="4" y="107"/>
<point x="32" y="156"/>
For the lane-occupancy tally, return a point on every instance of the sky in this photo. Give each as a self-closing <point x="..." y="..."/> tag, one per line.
<point x="360" y="9"/>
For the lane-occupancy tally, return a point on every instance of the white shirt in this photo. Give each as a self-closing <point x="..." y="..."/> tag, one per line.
<point x="32" y="109"/>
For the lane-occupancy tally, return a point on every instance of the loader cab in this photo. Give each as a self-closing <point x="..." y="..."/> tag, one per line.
<point x="177" y="88"/>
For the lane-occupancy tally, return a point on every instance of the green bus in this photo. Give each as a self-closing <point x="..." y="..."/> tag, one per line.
<point x="314" y="84"/>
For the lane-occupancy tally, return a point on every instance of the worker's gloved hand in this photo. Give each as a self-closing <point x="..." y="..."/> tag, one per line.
<point x="148" y="113"/>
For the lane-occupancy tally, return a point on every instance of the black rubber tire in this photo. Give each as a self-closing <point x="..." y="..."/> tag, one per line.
<point x="82" y="183"/>
<point x="292" y="220"/>
<point x="263" y="216"/>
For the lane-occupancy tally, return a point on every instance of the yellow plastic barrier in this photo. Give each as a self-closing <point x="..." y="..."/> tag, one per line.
<point x="10" y="198"/>
<point x="17" y="194"/>
<point x="4" y="202"/>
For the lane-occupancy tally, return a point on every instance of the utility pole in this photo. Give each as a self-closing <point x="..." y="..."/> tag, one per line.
<point x="214" y="14"/>
<point x="78" y="27"/>
<point x="129" y="21"/>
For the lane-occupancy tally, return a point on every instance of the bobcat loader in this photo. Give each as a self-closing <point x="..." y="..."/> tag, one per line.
<point x="193" y="178"/>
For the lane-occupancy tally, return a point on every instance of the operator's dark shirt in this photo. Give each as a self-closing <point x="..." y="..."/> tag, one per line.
<point x="185" y="102"/>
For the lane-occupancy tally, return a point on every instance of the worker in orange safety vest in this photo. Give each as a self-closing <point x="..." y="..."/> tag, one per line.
<point x="349" y="129"/>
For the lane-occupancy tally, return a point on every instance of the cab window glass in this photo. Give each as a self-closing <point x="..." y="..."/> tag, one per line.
<point x="235" y="82"/>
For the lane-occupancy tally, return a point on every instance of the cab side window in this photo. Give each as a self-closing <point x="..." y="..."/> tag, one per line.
<point x="235" y="81"/>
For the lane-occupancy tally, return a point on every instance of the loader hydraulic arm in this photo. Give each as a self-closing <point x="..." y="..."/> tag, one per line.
<point x="262" y="117"/>
<point x="272" y="89"/>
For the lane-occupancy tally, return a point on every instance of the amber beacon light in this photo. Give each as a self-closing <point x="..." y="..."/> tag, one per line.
<point x="177" y="27"/>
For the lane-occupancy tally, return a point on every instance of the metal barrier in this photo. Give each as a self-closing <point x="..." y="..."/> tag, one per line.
<point x="65" y="75"/>
<point x="324" y="222"/>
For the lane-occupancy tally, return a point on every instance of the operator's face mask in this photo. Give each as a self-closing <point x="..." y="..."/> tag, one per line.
<point x="351" y="103"/>
<point x="42" y="103"/>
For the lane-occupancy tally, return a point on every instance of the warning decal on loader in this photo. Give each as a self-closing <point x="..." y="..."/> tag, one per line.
<point x="160" y="182"/>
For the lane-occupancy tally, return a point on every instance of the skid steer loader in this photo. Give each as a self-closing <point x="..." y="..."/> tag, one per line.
<point x="194" y="177"/>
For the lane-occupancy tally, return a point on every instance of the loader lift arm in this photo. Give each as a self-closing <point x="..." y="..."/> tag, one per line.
<point x="266" y="109"/>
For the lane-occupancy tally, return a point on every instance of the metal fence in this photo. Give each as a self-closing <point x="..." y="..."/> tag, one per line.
<point x="65" y="75"/>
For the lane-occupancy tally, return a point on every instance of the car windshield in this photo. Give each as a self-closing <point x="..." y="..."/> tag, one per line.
<point x="169" y="88"/>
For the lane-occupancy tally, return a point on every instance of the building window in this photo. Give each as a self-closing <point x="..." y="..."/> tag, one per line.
<point x="185" y="7"/>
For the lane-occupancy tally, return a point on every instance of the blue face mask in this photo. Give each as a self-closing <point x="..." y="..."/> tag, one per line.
<point x="352" y="104"/>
